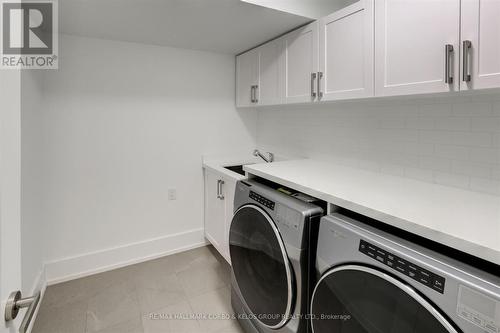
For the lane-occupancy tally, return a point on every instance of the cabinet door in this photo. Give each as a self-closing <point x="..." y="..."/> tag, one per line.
<point x="346" y="52"/>
<point x="269" y="90"/>
<point x="481" y="27"/>
<point x="247" y="76"/>
<point x="301" y="61"/>
<point x="229" y="191"/>
<point x="214" y="211"/>
<point x="410" y="46"/>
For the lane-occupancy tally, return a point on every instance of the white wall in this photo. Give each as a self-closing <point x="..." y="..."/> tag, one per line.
<point x="32" y="223"/>
<point x="453" y="141"/>
<point x="123" y="123"/>
<point x="10" y="185"/>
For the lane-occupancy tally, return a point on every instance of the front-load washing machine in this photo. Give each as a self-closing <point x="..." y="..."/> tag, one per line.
<point x="270" y="247"/>
<point x="374" y="282"/>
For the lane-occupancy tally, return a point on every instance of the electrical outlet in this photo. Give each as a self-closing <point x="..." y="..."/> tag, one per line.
<point x="172" y="194"/>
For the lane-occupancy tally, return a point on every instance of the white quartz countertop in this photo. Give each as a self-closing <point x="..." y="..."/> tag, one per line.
<point x="465" y="220"/>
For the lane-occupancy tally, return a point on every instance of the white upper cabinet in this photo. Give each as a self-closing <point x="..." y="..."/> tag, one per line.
<point x="271" y="79"/>
<point x="259" y="75"/>
<point x="346" y="53"/>
<point x="480" y="44"/>
<point x="301" y="64"/>
<point x="247" y="78"/>
<point x="377" y="48"/>
<point x="411" y="53"/>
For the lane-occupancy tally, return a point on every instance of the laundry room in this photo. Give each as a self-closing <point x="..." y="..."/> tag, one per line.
<point x="250" y="166"/>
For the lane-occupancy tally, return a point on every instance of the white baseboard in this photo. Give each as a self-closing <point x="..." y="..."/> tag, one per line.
<point x="96" y="262"/>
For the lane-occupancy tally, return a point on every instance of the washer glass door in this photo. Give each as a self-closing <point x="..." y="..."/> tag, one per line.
<point x="261" y="266"/>
<point x="358" y="299"/>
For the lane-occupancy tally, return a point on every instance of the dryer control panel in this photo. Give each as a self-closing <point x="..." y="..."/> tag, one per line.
<point x="262" y="200"/>
<point x="403" y="266"/>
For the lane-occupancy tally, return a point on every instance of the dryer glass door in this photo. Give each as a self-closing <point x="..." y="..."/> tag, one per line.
<point x="358" y="299"/>
<point x="261" y="266"/>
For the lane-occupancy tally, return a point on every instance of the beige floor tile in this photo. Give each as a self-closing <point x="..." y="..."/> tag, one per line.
<point x="120" y="300"/>
<point x="205" y="256"/>
<point x="197" y="281"/>
<point x="84" y="288"/>
<point x="177" y="318"/>
<point x="69" y="318"/>
<point x="112" y="306"/>
<point x="233" y="327"/>
<point x="215" y="307"/>
<point x="156" y="292"/>
<point x="129" y="326"/>
<point x="97" y="283"/>
<point x="65" y="293"/>
<point x="199" y="257"/>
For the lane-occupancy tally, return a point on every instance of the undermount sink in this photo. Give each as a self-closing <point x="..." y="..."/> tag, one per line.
<point x="237" y="168"/>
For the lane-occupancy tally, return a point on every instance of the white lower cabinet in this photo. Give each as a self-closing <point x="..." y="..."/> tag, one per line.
<point x="219" y="201"/>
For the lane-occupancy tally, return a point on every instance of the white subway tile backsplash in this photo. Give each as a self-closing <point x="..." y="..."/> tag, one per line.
<point x="471" y="169"/>
<point x="369" y="165"/>
<point x="394" y="123"/>
<point x="453" y="152"/>
<point x="419" y="174"/>
<point x="495" y="172"/>
<point x="485" y="185"/>
<point x="485" y="124"/>
<point x="486" y="155"/>
<point x="395" y="170"/>
<point x="496" y="140"/>
<point x="472" y="139"/>
<point x="450" y="179"/>
<point x="434" y="110"/>
<point x="496" y="109"/>
<point x="452" y="123"/>
<point x="453" y="141"/>
<point x="483" y="109"/>
<point x="420" y="123"/>
<point x="435" y="163"/>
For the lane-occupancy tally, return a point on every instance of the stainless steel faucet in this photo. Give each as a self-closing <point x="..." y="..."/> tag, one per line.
<point x="268" y="159"/>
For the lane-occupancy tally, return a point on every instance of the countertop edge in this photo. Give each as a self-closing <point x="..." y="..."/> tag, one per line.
<point x="460" y="244"/>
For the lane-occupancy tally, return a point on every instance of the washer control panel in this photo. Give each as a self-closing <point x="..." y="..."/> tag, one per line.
<point x="403" y="266"/>
<point x="479" y="309"/>
<point x="262" y="200"/>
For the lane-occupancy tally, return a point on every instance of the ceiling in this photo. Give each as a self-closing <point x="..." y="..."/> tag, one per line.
<point x="225" y="26"/>
<point x="310" y="8"/>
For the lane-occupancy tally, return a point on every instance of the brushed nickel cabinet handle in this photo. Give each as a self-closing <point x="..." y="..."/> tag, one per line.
<point x="220" y="195"/>
<point x="313" y="81"/>
<point x="448" y="71"/>
<point x="466" y="71"/>
<point x="320" y="93"/>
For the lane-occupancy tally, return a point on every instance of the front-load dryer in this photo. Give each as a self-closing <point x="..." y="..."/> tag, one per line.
<point x="270" y="250"/>
<point x="374" y="282"/>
